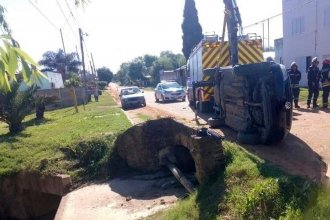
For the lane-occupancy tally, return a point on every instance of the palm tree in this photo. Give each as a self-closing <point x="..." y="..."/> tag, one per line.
<point x="15" y="105"/>
<point x="60" y="62"/>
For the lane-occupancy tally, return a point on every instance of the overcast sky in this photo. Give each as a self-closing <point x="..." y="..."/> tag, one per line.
<point x="118" y="31"/>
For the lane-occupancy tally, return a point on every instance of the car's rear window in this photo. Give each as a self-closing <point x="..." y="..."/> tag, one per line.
<point x="171" y="85"/>
<point x="130" y="91"/>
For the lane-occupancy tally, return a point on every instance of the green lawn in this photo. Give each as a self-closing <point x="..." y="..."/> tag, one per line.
<point x="304" y="93"/>
<point x="54" y="145"/>
<point x="250" y="188"/>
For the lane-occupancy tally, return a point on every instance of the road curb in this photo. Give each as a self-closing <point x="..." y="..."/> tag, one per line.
<point x="127" y="116"/>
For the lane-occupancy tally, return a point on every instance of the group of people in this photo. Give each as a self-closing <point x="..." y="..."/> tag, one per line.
<point x="314" y="77"/>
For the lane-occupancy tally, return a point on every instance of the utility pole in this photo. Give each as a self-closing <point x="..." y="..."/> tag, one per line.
<point x="62" y="41"/>
<point x="83" y="62"/>
<point x="93" y="64"/>
<point x="82" y="56"/>
<point x="64" y="55"/>
<point x="263" y="36"/>
<point x="268" y="35"/>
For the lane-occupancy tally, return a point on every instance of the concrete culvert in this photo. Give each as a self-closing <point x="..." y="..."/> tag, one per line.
<point x="179" y="156"/>
<point x="141" y="147"/>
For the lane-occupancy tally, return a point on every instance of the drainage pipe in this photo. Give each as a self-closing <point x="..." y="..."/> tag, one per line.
<point x="181" y="178"/>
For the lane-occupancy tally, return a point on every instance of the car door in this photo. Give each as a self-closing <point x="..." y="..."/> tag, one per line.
<point x="158" y="91"/>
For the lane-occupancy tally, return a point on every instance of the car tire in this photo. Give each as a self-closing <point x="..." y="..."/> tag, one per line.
<point x="123" y="106"/>
<point x="163" y="99"/>
<point x="157" y="100"/>
<point x="184" y="99"/>
<point x="144" y="103"/>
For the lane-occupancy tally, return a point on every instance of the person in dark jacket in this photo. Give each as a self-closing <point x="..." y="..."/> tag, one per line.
<point x="295" y="77"/>
<point x="325" y="80"/>
<point x="313" y="76"/>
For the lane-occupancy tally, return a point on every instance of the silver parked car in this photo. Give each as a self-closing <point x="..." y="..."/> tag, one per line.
<point x="169" y="91"/>
<point x="131" y="96"/>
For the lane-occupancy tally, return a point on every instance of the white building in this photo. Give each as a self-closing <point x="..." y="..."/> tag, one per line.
<point x="306" y="32"/>
<point x="53" y="80"/>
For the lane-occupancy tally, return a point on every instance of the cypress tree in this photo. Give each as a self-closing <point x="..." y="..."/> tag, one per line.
<point x="192" y="30"/>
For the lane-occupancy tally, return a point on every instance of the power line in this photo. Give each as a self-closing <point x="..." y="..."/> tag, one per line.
<point x="259" y="22"/>
<point x="283" y="12"/>
<point x="67" y="20"/>
<point x="74" y="18"/>
<point x="36" y="7"/>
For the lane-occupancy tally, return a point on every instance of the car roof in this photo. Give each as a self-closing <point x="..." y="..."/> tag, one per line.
<point x="162" y="83"/>
<point x="131" y="87"/>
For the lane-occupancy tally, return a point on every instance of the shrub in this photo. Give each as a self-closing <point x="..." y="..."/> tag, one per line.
<point x="15" y="105"/>
<point x="93" y="158"/>
<point x="102" y="84"/>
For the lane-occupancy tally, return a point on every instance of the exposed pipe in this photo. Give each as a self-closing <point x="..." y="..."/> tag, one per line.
<point x="181" y="178"/>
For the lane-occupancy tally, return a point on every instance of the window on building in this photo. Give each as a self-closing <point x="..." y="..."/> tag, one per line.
<point x="327" y="17"/>
<point x="298" y="25"/>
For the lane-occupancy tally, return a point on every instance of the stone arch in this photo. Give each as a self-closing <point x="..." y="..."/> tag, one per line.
<point x="141" y="145"/>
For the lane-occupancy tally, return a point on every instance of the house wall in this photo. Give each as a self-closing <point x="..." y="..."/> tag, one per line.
<point x="64" y="96"/>
<point x="306" y="32"/>
<point x="55" y="80"/>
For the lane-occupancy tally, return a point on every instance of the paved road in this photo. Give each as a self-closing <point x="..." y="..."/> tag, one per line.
<point x="181" y="110"/>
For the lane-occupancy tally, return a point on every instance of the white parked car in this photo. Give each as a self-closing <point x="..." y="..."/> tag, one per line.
<point x="131" y="96"/>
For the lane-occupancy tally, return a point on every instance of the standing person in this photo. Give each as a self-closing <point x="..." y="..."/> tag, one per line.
<point x="325" y="74"/>
<point x="96" y="94"/>
<point x="295" y="77"/>
<point x="313" y="76"/>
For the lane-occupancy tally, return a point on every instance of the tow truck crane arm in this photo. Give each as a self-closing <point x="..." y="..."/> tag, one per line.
<point x="234" y="24"/>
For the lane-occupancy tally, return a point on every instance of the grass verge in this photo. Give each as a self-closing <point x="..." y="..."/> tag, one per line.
<point x="250" y="188"/>
<point x="144" y="117"/>
<point x="65" y="141"/>
<point x="304" y="94"/>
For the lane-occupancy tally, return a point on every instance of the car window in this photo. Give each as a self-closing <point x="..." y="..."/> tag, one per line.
<point x="130" y="91"/>
<point x="171" y="85"/>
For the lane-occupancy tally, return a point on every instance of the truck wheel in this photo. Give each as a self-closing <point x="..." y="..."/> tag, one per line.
<point x="192" y="103"/>
<point x="203" y="107"/>
<point x="216" y="122"/>
<point x="248" y="138"/>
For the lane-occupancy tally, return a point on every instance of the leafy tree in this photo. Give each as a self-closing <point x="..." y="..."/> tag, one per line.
<point x="57" y="61"/>
<point x="104" y="74"/>
<point x="139" y="67"/>
<point x="136" y="69"/>
<point x="15" y="105"/>
<point x="73" y="81"/>
<point x="122" y="75"/>
<point x="13" y="58"/>
<point x="149" y="60"/>
<point x="192" y="30"/>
